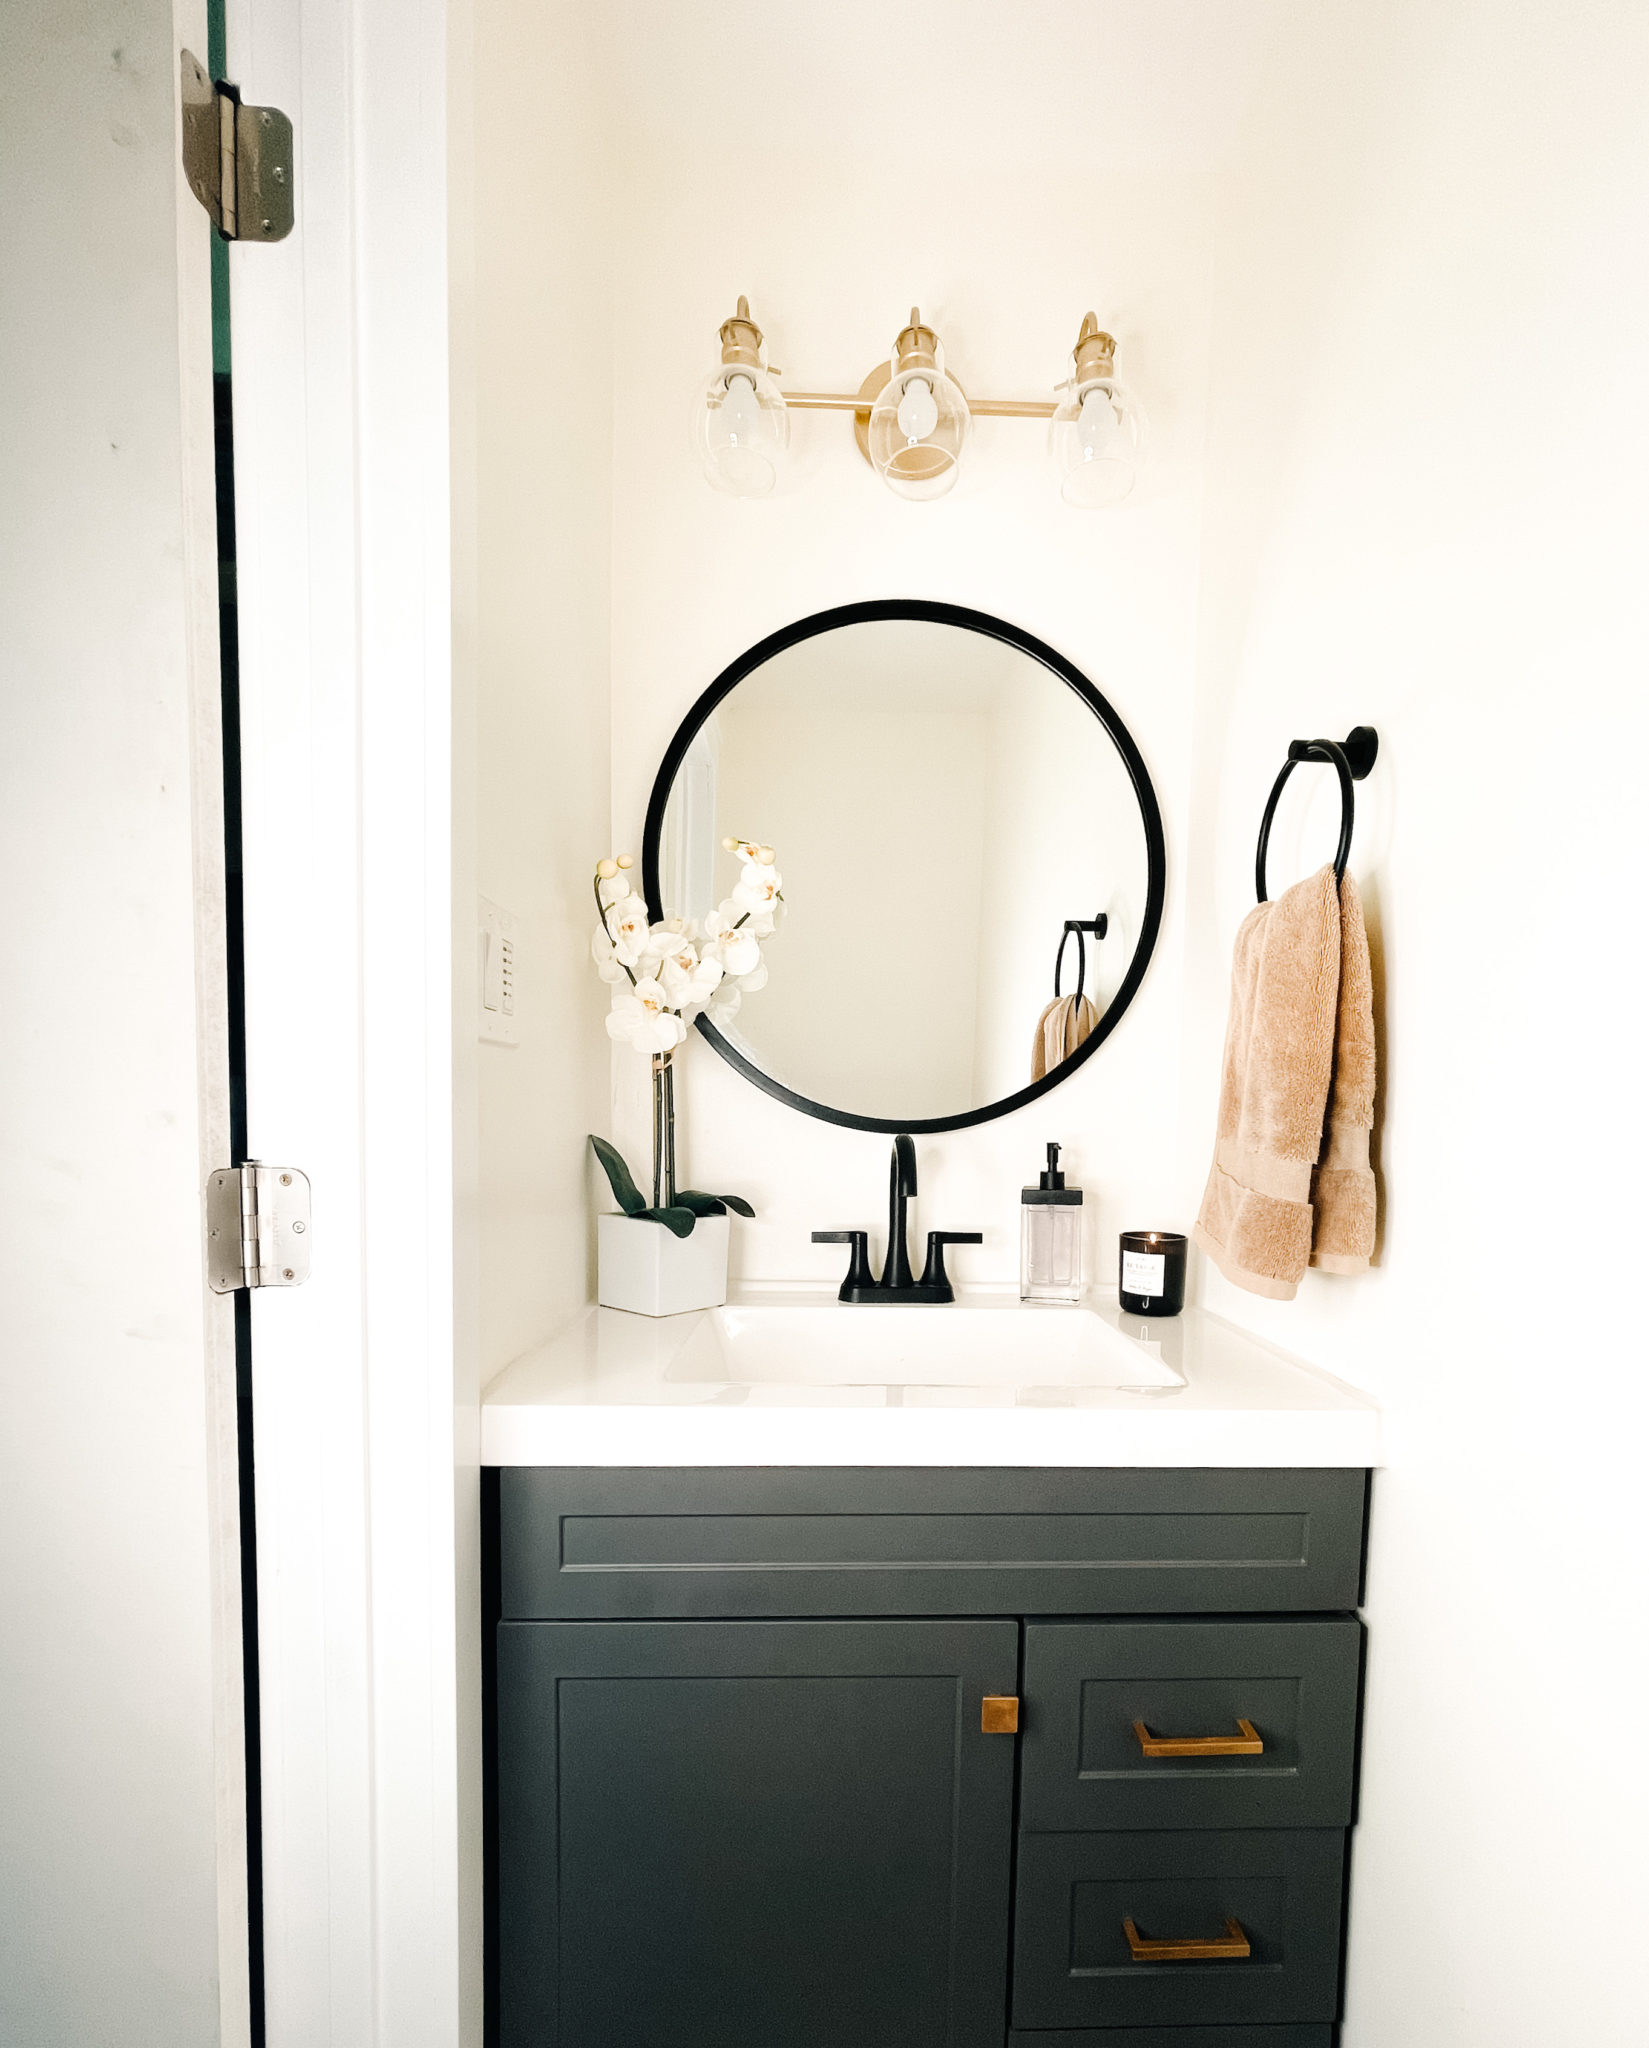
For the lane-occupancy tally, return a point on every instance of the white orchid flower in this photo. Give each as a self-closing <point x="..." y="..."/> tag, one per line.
<point x="627" y="922"/>
<point x="730" y="940"/>
<point x="687" y="978"/>
<point x="758" y="889"/>
<point x="606" y="961"/>
<point x="757" y="978"/>
<point x="642" y="1017"/>
<point x="723" y="1006"/>
<point x="612" y="888"/>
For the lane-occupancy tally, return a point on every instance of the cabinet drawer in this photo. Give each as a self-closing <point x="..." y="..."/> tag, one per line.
<point x="1073" y="1966"/>
<point x="1089" y="1687"/>
<point x="608" y="1543"/>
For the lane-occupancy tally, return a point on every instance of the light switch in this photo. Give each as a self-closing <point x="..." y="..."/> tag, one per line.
<point x="496" y="941"/>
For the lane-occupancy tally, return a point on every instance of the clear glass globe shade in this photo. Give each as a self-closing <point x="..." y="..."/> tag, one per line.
<point x="918" y="429"/>
<point x="740" y="428"/>
<point x="1098" y="437"/>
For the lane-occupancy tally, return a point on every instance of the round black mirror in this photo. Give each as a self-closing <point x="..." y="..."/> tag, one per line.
<point x="953" y="807"/>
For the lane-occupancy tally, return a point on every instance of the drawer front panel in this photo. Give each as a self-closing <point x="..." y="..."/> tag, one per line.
<point x="1087" y="1684"/>
<point x="594" y="1543"/>
<point x="1178" y="2037"/>
<point x="1073" y="1966"/>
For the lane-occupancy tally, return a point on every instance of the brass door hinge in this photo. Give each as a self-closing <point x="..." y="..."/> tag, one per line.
<point x="238" y="159"/>
<point x="257" y="1227"/>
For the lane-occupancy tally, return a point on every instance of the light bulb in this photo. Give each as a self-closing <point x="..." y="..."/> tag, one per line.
<point x="918" y="411"/>
<point x="1098" y="429"/>
<point x="738" y="415"/>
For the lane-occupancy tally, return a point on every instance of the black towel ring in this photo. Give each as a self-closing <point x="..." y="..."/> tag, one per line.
<point x="1351" y="760"/>
<point x="1079" y="925"/>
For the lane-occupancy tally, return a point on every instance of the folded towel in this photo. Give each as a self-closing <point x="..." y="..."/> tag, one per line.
<point x="1291" y="1184"/>
<point x="1061" y="1028"/>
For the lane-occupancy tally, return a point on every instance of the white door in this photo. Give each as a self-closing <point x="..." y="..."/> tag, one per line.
<point x="122" y="1850"/>
<point x="366" y="1486"/>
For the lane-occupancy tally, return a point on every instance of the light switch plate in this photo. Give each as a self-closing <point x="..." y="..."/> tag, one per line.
<point x="500" y="1022"/>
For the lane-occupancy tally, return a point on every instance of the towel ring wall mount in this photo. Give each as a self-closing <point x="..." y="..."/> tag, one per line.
<point x="1351" y="760"/>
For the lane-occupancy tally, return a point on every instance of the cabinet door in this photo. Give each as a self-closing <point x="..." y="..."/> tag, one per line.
<point x="735" y="1834"/>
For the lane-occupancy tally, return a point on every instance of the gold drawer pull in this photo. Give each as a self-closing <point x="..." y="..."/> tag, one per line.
<point x="1244" y="1743"/>
<point x="1230" y="1947"/>
<point x="999" y="1714"/>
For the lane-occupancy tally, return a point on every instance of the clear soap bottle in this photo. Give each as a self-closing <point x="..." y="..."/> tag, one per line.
<point x="1050" y="1237"/>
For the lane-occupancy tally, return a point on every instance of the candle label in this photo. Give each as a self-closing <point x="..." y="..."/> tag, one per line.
<point x="1142" y="1272"/>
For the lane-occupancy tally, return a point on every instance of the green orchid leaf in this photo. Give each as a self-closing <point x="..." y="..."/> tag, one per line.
<point x="713" y="1205"/>
<point x="625" y="1192"/>
<point x="678" y="1220"/>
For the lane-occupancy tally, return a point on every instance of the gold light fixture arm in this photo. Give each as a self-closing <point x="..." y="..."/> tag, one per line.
<point x="988" y="408"/>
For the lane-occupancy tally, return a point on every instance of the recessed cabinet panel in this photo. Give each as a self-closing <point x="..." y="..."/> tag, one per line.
<point x="736" y="1834"/>
<point x="582" y="1541"/>
<point x="1178" y="2037"/>
<point x="1192" y="1688"/>
<point x="1074" y="1964"/>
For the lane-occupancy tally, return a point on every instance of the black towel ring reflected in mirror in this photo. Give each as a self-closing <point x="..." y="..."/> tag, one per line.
<point x="1351" y="759"/>
<point x="1079" y="925"/>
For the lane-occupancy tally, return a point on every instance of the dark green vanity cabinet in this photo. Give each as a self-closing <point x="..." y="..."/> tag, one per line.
<point x="744" y="1797"/>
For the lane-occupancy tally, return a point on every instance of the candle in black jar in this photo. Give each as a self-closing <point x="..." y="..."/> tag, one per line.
<point x="1151" y="1275"/>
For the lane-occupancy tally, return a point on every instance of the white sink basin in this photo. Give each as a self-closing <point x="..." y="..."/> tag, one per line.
<point x="960" y="1345"/>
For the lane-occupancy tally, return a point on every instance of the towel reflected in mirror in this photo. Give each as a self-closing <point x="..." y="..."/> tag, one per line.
<point x="1061" y="1028"/>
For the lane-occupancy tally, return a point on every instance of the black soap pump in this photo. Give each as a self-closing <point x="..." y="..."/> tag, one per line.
<point x="1050" y="1237"/>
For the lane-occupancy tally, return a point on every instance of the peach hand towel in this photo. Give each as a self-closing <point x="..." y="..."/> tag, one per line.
<point x="1061" y="1028"/>
<point x="1291" y="1185"/>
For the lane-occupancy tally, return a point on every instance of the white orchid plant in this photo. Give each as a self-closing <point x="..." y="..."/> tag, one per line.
<point x="663" y="975"/>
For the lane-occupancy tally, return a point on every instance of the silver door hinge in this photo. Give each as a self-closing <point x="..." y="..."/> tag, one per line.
<point x="257" y="1227"/>
<point x="238" y="160"/>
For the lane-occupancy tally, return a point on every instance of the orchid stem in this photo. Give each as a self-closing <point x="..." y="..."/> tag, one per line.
<point x="601" y="912"/>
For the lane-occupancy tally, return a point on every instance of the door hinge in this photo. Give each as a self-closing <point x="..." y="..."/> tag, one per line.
<point x="257" y="1227"/>
<point x="238" y="160"/>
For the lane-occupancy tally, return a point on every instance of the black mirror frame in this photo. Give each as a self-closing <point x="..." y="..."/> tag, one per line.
<point x="1013" y="636"/>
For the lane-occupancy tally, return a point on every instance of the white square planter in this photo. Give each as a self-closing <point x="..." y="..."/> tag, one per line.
<point x="651" y="1272"/>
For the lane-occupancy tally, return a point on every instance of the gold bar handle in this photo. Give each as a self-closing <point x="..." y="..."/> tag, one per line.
<point x="1230" y="1947"/>
<point x="1244" y="1743"/>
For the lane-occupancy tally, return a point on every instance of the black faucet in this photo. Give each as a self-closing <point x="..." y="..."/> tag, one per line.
<point x="897" y="1282"/>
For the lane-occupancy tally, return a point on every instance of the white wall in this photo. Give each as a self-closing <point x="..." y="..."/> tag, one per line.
<point x="543" y="428"/>
<point x="1005" y="267"/>
<point x="1378" y="273"/>
<point x="119" y="1607"/>
<point x="1426" y="512"/>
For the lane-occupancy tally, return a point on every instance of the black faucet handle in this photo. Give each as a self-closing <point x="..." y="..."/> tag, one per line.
<point x="933" y="1273"/>
<point x="858" y="1266"/>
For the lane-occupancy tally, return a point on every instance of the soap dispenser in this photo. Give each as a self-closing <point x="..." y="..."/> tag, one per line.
<point x="1050" y="1237"/>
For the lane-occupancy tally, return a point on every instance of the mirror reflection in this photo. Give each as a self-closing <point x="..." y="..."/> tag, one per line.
<point x="941" y="804"/>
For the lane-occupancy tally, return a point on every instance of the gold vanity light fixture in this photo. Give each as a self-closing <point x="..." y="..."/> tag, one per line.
<point x="740" y="426"/>
<point x="911" y="417"/>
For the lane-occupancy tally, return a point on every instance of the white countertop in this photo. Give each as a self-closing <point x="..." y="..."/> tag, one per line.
<point x="602" y="1393"/>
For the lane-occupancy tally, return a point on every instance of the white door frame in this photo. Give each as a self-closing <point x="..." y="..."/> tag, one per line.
<point x="368" y="1636"/>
